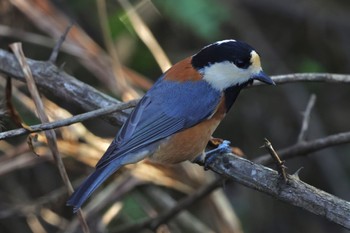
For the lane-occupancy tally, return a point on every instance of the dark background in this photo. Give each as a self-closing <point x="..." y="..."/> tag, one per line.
<point x="291" y="37"/>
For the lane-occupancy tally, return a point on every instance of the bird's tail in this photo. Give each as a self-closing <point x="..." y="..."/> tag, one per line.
<point x="91" y="183"/>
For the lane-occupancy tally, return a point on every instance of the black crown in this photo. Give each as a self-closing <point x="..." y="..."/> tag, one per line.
<point x="233" y="51"/>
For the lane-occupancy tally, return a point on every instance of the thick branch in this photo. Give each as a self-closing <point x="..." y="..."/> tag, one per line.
<point x="295" y="192"/>
<point x="55" y="83"/>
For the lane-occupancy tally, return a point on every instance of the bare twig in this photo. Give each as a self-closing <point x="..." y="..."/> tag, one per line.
<point x="37" y="39"/>
<point x="120" y="77"/>
<point x="146" y="35"/>
<point x="310" y="77"/>
<point x="166" y="202"/>
<point x="58" y="45"/>
<point x="68" y="121"/>
<point x="10" y="108"/>
<point x="304" y="148"/>
<point x="50" y="134"/>
<point x="306" y="119"/>
<point x="110" y="194"/>
<point x="154" y="223"/>
<point x="31" y="207"/>
<point x="279" y="163"/>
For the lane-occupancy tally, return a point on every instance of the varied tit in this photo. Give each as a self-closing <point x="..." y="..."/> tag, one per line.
<point x="175" y="119"/>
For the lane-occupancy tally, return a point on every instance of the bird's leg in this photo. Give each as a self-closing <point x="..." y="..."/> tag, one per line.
<point x="215" y="142"/>
<point x="224" y="147"/>
<point x="206" y="158"/>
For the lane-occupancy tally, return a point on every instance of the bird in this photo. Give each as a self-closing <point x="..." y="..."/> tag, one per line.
<point x="176" y="118"/>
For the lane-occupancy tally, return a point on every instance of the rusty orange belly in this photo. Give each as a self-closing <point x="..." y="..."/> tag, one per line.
<point x="187" y="144"/>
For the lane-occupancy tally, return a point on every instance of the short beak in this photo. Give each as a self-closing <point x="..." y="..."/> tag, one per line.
<point x="262" y="77"/>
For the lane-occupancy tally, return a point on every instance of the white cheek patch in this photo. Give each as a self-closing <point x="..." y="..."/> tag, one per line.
<point x="225" y="74"/>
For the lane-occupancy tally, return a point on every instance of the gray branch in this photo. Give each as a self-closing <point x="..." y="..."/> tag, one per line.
<point x="294" y="192"/>
<point x="54" y="83"/>
<point x="102" y="112"/>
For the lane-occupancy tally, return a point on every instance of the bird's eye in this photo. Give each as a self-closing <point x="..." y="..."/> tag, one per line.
<point x="242" y="64"/>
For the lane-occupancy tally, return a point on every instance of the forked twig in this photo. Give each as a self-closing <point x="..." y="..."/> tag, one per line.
<point x="279" y="163"/>
<point x="58" y="45"/>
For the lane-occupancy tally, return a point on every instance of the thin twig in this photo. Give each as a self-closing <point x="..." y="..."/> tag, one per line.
<point x="26" y="208"/>
<point x="304" y="148"/>
<point x="10" y="108"/>
<point x="69" y="121"/>
<point x="146" y="35"/>
<point x="306" y="119"/>
<point x="279" y="163"/>
<point x="50" y="134"/>
<point x="120" y="78"/>
<point x="309" y="77"/>
<point x="110" y="194"/>
<point x="58" y="45"/>
<point x="154" y="223"/>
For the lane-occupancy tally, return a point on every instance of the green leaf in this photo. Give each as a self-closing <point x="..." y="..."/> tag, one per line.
<point x="203" y="17"/>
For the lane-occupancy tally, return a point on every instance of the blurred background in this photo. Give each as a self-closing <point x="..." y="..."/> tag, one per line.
<point x="120" y="48"/>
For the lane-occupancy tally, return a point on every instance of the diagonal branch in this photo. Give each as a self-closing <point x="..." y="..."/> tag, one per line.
<point x="295" y="192"/>
<point x="56" y="84"/>
<point x="50" y="134"/>
<point x="68" y="121"/>
<point x="154" y="223"/>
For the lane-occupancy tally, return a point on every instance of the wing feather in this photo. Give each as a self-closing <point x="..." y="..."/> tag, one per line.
<point x="167" y="108"/>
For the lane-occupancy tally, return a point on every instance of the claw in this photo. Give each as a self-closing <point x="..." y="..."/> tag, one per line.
<point x="224" y="147"/>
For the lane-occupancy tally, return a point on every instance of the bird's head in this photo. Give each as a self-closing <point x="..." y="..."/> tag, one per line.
<point x="229" y="63"/>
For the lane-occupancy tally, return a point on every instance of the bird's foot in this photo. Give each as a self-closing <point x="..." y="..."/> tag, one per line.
<point x="223" y="147"/>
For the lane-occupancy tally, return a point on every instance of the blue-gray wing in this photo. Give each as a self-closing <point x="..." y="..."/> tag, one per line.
<point x="167" y="108"/>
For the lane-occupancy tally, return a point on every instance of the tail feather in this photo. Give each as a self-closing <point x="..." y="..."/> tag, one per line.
<point x="91" y="183"/>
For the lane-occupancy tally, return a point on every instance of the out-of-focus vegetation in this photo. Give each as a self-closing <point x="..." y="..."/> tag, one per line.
<point x="291" y="36"/>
